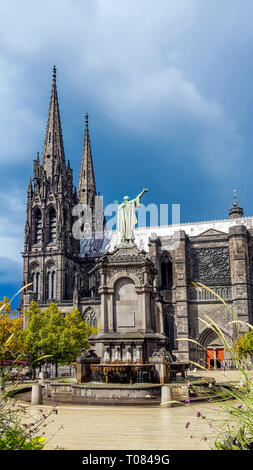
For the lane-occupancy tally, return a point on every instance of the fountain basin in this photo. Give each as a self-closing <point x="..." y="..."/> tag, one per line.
<point x="123" y="373"/>
<point x="102" y="394"/>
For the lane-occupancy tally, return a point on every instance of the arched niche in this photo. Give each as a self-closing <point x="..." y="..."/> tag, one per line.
<point x="113" y="280"/>
<point x="125" y="304"/>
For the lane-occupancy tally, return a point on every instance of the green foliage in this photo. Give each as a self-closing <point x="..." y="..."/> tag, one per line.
<point x="57" y="335"/>
<point x="244" y="345"/>
<point x="235" y="442"/>
<point x="13" y="440"/>
<point x="19" y="430"/>
<point x="233" y="425"/>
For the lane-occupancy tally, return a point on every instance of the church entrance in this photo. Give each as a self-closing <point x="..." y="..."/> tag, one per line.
<point x="214" y="358"/>
<point x="212" y="353"/>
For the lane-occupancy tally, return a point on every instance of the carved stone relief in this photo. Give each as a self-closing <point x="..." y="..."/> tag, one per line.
<point x="210" y="264"/>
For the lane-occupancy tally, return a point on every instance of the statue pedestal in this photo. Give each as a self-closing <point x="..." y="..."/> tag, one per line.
<point x="162" y="366"/>
<point x="128" y="315"/>
<point x="83" y="362"/>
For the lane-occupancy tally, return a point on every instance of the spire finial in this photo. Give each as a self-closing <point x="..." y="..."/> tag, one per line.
<point x="236" y="211"/>
<point x="86" y="119"/>
<point x="54" y="73"/>
<point x="235" y="200"/>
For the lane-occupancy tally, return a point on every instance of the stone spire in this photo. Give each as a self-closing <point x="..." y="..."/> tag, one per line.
<point x="53" y="153"/>
<point x="87" y="184"/>
<point x="235" y="211"/>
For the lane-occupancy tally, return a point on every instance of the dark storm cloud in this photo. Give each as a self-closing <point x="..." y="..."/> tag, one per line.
<point x="167" y="84"/>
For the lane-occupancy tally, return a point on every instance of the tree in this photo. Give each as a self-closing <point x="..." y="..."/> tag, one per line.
<point x="57" y="335"/>
<point x="31" y="335"/>
<point x="11" y="332"/>
<point x="75" y="335"/>
<point x="244" y="345"/>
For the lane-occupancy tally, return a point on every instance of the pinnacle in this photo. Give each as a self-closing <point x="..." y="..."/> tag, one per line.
<point x="53" y="153"/>
<point x="87" y="184"/>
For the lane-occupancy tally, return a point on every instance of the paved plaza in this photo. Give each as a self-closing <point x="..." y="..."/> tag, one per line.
<point x="77" y="427"/>
<point x="123" y="428"/>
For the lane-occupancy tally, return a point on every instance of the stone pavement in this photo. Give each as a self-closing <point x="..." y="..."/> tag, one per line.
<point x="123" y="428"/>
<point x="220" y="376"/>
<point x="77" y="427"/>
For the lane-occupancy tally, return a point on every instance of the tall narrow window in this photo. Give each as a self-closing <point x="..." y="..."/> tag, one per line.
<point x="52" y="226"/>
<point x="166" y="271"/>
<point x="36" y="282"/>
<point x="38" y="227"/>
<point x="51" y="283"/>
<point x="66" y="293"/>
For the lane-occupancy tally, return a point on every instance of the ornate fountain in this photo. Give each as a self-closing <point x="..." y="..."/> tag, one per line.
<point x="130" y="342"/>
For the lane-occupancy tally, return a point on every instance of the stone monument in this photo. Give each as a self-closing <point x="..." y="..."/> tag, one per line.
<point x="130" y="332"/>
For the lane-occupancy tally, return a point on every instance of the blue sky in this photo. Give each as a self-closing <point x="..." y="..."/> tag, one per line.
<point x="168" y="89"/>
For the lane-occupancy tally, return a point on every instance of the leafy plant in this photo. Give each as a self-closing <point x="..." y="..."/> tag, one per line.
<point x="20" y="426"/>
<point x="233" y="427"/>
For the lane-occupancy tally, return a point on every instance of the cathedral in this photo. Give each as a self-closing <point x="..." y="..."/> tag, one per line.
<point x="78" y="271"/>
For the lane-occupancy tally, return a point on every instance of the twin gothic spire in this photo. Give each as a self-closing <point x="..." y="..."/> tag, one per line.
<point x="53" y="153"/>
<point x="87" y="185"/>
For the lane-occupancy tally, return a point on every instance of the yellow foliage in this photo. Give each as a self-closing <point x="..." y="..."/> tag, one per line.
<point x="10" y="334"/>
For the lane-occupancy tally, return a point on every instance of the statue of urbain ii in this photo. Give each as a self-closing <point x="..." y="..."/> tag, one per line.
<point x="126" y="218"/>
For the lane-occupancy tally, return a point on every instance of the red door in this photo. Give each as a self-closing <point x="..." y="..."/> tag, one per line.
<point x="219" y="357"/>
<point x="210" y="358"/>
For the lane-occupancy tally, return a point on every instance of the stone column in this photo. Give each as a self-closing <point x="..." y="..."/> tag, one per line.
<point x="147" y="294"/>
<point x="41" y="378"/>
<point x="166" y="396"/>
<point x="104" y="310"/>
<point x="112" y="320"/>
<point x="36" y="394"/>
<point x="240" y="273"/>
<point x="180" y="263"/>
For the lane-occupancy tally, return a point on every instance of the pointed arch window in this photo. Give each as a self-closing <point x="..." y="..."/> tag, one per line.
<point x="166" y="271"/>
<point x="38" y="227"/>
<point x="52" y="226"/>
<point x="36" y="282"/>
<point x="67" y="290"/>
<point x="90" y="316"/>
<point x="51" y="283"/>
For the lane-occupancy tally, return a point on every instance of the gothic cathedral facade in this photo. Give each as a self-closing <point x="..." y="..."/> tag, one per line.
<point x="62" y="269"/>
